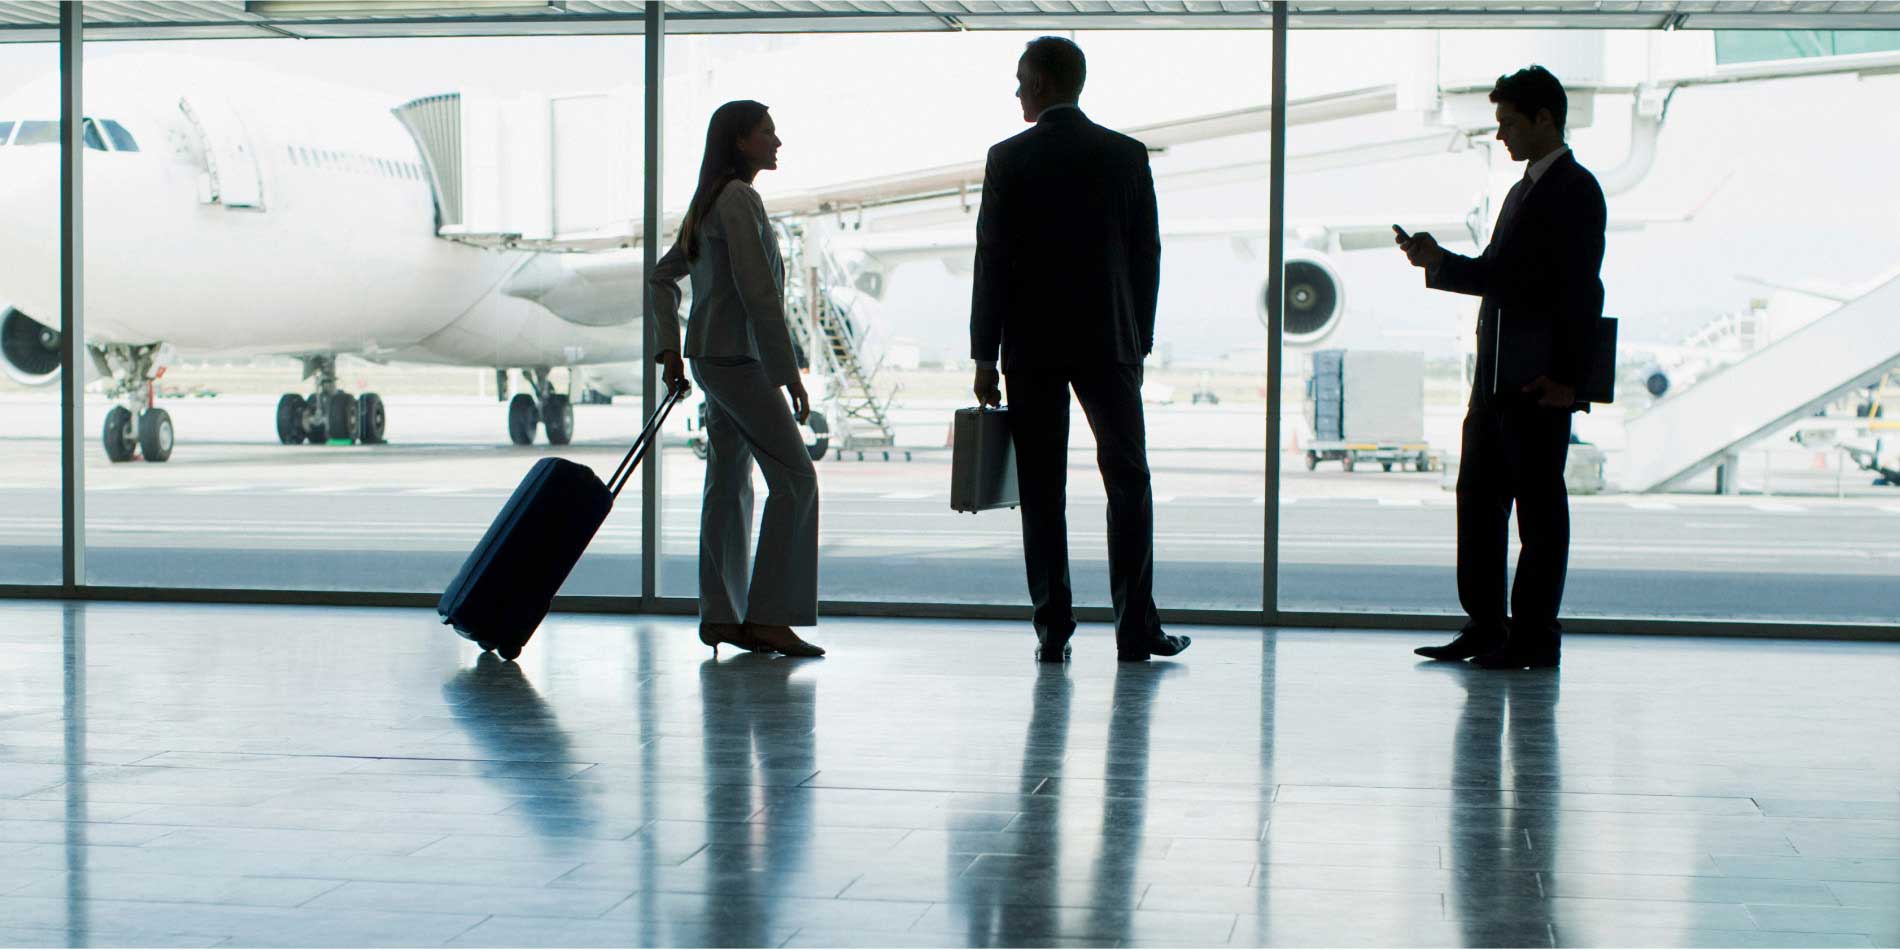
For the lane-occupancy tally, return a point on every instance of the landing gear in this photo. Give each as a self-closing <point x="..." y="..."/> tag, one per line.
<point x="557" y="417"/>
<point x="544" y="408"/>
<point x="134" y="427"/>
<point x="120" y="437"/>
<point x="329" y="413"/>
<point x="821" y="437"/>
<point x="290" y="419"/>
<point x="369" y="419"/>
<point x="523" y="417"/>
<point x="155" y="435"/>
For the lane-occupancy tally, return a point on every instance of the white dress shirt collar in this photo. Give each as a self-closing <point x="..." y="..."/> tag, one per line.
<point x="1542" y="165"/>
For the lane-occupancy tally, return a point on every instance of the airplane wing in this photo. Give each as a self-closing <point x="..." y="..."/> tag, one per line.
<point x="966" y="178"/>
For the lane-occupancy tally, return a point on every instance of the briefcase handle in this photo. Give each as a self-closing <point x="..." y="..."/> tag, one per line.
<point x="623" y="473"/>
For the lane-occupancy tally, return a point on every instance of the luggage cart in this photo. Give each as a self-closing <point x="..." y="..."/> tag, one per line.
<point x="1415" y="456"/>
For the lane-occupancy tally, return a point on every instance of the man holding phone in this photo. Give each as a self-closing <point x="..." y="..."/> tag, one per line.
<point x="1542" y="297"/>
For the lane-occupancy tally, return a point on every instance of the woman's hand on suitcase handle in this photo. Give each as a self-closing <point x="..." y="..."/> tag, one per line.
<point x="673" y="371"/>
<point x="801" y="403"/>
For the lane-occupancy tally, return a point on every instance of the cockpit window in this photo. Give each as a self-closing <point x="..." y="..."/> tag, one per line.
<point x="37" y="133"/>
<point x="122" y="140"/>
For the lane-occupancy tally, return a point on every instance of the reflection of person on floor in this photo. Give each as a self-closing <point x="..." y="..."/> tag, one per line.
<point x="1539" y="282"/>
<point x="1011" y="908"/>
<point x="1068" y="265"/>
<point x="1490" y="793"/>
<point x="753" y="715"/>
<point x="742" y="356"/>
<point x="1125" y="798"/>
<point x="511" y="724"/>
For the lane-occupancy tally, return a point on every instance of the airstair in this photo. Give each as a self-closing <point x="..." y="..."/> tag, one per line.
<point x="833" y="342"/>
<point x="1707" y="425"/>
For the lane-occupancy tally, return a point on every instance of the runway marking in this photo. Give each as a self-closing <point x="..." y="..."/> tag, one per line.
<point x="216" y="489"/>
<point x="320" y="490"/>
<point x="1781" y="506"/>
<point x="1640" y="505"/>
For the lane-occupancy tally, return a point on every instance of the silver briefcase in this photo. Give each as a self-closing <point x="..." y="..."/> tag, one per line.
<point x="982" y="461"/>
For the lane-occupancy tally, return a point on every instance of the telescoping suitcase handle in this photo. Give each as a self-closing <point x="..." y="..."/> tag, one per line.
<point x="623" y="473"/>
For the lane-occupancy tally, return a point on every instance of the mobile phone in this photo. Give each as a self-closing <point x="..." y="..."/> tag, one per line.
<point x="1401" y="233"/>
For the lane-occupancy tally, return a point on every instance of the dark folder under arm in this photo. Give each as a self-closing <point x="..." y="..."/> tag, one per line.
<point x="1523" y="353"/>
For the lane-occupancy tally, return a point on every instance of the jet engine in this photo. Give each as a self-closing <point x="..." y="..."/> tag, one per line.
<point x="1315" y="297"/>
<point x="29" y="349"/>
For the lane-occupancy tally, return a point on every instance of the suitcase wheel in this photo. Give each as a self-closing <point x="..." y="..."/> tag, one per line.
<point x="486" y="646"/>
<point x="509" y="652"/>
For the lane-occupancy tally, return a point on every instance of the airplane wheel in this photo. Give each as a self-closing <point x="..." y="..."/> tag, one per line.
<point x="121" y="440"/>
<point x="155" y="435"/>
<point x="290" y="408"/>
<point x="370" y="419"/>
<point x="343" y="416"/>
<point x="1385" y="466"/>
<point x="522" y="418"/>
<point x="822" y="430"/>
<point x="1312" y="461"/>
<point x="558" y="419"/>
<point x="1347" y="463"/>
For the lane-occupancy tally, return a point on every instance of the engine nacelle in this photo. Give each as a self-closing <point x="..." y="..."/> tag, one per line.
<point x="29" y="349"/>
<point x="1656" y="381"/>
<point x="1315" y="298"/>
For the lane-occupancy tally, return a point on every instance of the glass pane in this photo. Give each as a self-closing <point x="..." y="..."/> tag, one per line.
<point x="1750" y="258"/>
<point x="887" y="176"/>
<point x="30" y="322"/>
<point x="312" y="347"/>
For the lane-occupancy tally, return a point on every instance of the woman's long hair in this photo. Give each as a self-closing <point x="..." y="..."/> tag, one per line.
<point x="721" y="164"/>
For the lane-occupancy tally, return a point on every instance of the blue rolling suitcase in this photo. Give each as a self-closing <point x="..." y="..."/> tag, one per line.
<point x="509" y="581"/>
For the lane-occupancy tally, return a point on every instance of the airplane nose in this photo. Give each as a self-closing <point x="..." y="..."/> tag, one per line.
<point x="29" y="230"/>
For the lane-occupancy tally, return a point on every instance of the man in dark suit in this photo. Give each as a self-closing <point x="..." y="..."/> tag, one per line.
<point x="1068" y="263"/>
<point x="1542" y="298"/>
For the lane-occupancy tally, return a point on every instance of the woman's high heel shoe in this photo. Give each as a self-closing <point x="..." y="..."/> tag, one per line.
<point x="772" y="636"/>
<point x="713" y="634"/>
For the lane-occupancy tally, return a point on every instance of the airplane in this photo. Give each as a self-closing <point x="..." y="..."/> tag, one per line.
<point x="238" y="212"/>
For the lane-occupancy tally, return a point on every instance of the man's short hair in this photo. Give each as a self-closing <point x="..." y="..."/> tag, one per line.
<point x="1530" y="89"/>
<point x="1060" y="64"/>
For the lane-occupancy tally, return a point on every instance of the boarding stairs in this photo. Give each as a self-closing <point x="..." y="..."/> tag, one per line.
<point x="1708" y="424"/>
<point x="833" y="344"/>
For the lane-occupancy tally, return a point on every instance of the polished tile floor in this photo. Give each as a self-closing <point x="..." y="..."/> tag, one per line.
<point x="203" y="776"/>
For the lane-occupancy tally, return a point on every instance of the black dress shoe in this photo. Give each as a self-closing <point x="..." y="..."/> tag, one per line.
<point x="1509" y="659"/>
<point x="1167" y="644"/>
<point x="1465" y="646"/>
<point x="1058" y="653"/>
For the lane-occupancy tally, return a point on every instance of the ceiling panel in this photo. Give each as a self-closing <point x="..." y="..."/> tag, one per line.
<point x="126" y="19"/>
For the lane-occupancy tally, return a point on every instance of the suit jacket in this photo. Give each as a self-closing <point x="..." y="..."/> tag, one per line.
<point x="738" y="289"/>
<point x="1542" y="264"/>
<point x="1068" y="249"/>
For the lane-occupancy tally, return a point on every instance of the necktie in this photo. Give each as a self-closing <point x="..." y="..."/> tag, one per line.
<point x="1512" y="199"/>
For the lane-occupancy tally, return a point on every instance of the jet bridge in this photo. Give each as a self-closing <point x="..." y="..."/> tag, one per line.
<point x="1707" y="424"/>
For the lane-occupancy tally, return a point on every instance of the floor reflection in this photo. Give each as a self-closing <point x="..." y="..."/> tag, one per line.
<point x="73" y="666"/>
<point x="753" y="716"/>
<point x="1004" y="908"/>
<point x="1505" y="748"/>
<point x="529" y="752"/>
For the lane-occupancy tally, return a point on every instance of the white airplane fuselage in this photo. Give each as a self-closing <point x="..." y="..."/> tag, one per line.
<point x="337" y="254"/>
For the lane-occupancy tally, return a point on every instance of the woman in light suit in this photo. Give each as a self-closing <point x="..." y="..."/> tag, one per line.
<point x="742" y="354"/>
